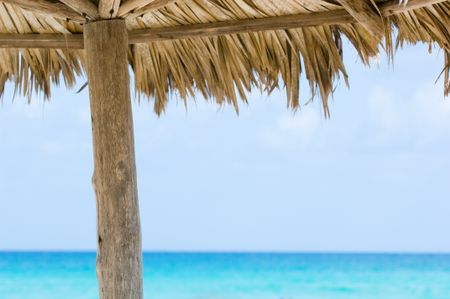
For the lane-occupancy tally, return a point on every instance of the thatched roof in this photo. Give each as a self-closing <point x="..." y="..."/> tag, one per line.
<point x="236" y="45"/>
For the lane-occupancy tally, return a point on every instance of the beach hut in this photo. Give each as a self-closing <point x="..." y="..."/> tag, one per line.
<point x="218" y="48"/>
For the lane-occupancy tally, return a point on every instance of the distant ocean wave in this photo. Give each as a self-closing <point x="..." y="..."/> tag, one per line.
<point x="48" y="275"/>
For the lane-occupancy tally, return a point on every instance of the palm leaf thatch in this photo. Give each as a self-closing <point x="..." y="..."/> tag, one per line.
<point x="221" y="63"/>
<point x="220" y="48"/>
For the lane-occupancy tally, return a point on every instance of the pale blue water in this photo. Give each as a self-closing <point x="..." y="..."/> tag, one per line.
<point x="240" y="276"/>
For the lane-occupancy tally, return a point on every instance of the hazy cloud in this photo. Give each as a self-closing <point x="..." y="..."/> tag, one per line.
<point x="291" y="130"/>
<point x="422" y="116"/>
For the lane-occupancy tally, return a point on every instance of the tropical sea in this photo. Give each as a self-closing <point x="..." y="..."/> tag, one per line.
<point x="53" y="275"/>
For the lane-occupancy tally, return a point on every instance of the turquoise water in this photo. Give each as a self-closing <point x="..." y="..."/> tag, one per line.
<point x="240" y="276"/>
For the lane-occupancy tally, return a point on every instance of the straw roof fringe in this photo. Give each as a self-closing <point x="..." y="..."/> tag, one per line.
<point x="222" y="67"/>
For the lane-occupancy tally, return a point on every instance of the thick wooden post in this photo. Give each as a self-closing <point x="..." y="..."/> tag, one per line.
<point x="119" y="255"/>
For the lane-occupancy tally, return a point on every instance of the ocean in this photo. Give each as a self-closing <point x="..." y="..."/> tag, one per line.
<point x="52" y="275"/>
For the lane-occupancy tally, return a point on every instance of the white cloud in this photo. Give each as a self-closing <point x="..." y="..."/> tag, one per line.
<point x="384" y="118"/>
<point x="291" y="130"/>
<point x="423" y="116"/>
<point x="303" y="124"/>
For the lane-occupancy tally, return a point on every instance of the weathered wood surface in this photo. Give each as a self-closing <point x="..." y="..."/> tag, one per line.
<point x="43" y="41"/>
<point x="335" y="17"/>
<point x="119" y="254"/>
<point x="85" y="8"/>
<point x="241" y="26"/>
<point x="108" y="8"/>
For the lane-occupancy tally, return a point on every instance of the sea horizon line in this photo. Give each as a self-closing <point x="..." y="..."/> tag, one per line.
<point x="230" y="252"/>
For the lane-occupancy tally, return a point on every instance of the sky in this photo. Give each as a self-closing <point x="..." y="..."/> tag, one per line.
<point x="373" y="178"/>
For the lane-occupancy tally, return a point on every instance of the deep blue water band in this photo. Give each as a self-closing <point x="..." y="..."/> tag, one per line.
<point x="48" y="275"/>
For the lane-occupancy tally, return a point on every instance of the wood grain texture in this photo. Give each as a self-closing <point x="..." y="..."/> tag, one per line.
<point x="119" y="255"/>
<point x="241" y="26"/>
<point x="365" y="13"/>
<point x="108" y="8"/>
<point x="86" y="8"/>
<point x="47" y="8"/>
<point x="42" y="41"/>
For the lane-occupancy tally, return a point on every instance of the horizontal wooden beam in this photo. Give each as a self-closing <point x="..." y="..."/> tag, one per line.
<point x="47" y="8"/>
<point x="240" y="26"/>
<point x="42" y="41"/>
<point x="335" y="17"/>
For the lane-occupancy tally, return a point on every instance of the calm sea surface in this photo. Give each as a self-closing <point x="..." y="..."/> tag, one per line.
<point x="240" y="276"/>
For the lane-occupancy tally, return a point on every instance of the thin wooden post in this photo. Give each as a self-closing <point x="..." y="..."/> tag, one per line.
<point x="119" y="255"/>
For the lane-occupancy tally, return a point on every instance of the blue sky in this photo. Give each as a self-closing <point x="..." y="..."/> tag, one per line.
<point x="372" y="178"/>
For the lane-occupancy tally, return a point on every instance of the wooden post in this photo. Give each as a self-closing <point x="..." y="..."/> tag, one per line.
<point x="119" y="255"/>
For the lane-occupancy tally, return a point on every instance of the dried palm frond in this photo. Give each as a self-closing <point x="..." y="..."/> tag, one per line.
<point x="225" y="68"/>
